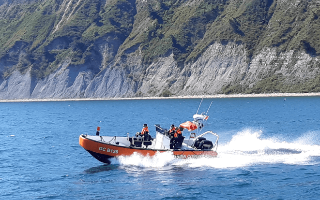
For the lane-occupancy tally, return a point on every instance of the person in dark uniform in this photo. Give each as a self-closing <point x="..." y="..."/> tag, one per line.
<point x="171" y="131"/>
<point x="145" y="133"/>
<point x="98" y="131"/>
<point x="178" y="133"/>
<point x="177" y="139"/>
<point x="144" y="130"/>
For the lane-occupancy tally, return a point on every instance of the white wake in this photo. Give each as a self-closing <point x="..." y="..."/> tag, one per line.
<point x="246" y="148"/>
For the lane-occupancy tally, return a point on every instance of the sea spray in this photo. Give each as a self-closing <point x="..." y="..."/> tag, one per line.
<point x="246" y="148"/>
<point x="159" y="160"/>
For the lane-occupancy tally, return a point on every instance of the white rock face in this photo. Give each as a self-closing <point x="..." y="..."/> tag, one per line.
<point x="219" y="65"/>
<point x="17" y="86"/>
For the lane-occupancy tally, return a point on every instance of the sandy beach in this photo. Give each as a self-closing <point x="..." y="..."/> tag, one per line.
<point x="174" y="97"/>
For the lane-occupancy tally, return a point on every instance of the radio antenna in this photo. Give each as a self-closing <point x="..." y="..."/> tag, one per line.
<point x="209" y="107"/>
<point x="199" y="105"/>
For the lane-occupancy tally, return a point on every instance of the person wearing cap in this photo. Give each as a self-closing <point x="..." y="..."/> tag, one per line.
<point x="144" y="130"/>
<point x="145" y="133"/>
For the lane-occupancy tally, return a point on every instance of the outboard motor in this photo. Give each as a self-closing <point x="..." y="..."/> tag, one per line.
<point x="198" y="141"/>
<point x="206" y="145"/>
<point x="203" y="144"/>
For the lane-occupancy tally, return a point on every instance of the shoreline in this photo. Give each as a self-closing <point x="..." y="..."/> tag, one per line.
<point x="217" y="96"/>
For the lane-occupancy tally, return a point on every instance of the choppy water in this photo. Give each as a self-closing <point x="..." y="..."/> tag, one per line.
<point x="269" y="148"/>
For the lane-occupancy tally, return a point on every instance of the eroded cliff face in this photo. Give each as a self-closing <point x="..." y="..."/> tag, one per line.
<point x="86" y="49"/>
<point x="220" y="65"/>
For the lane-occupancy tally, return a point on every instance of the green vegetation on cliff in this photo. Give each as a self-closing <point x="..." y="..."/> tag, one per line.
<point x="28" y="32"/>
<point x="275" y="83"/>
<point x="40" y="34"/>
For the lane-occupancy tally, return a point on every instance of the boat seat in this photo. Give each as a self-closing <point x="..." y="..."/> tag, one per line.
<point x="137" y="142"/>
<point x="131" y="140"/>
<point x="147" y="143"/>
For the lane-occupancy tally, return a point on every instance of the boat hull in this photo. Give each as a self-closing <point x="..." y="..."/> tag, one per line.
<point x="103" y="151"/>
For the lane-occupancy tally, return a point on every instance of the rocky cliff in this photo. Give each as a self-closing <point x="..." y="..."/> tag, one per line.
<point x="132" y="48"/>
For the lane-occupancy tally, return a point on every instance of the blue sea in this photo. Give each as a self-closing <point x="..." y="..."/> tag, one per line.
<point x="269" y="148"/>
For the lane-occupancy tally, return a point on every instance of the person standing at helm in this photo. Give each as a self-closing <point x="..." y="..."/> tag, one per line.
<point x="145" y="133"/>
<point x="144" y="130"/>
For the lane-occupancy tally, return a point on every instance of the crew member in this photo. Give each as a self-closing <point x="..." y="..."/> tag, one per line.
<point x="178" y="133"/>
<point x="172" y="130"/>
<point x="98" y="131"/>
<point x="144" y="130"/>
<point x="145" y="133"/>
<point x="176" y="141"/>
